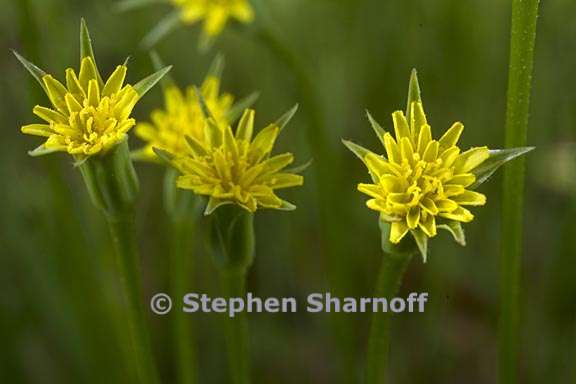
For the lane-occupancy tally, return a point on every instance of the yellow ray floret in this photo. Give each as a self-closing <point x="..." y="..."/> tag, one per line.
<point x="88" y="115"/>
<point x="237" y="168"/>
<point x="420" y="179"/>
<point x="181" y="117"/>
<point x="215" y="13"/>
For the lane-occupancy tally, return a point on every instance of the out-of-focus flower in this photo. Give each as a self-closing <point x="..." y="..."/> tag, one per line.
<point x="182" y="116"/>
<point x="236" y="167"/>
<point x="215" y="13"/>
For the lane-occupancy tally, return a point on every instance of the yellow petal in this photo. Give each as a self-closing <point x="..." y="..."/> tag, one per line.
<point x="285" y="180"/>
<point x="413" y="217"/>
<point x="471" y="159"/>
<point x="429" y="206"/>
<point x="37" y="130"/>
<point x="424" y="138"/>
<point x="93" y="93"/>
<point x="417" y="119"/>
<point x="392" y="149"/>
<point x="398" y="230"/>
<point x="379" y="166"/>
<point x="371" y="190"/>
<point x="115" y="81"/>
<point x="459" y="214"/>
<point x="263" y="142"/>
<point x="428" y="225"/>
<point x="450" y="138"/>
<point x="87" y="72"/>
<point x="470" y="198"/>
<point x="464" y="179"/>
<point x="401" y="128"/>
<point x="431" y="152"/>
<point x="49" y="115"/>
<point x="446" y="205"/>
<point x="56" y="92"/>
<point x="246" y="125"/>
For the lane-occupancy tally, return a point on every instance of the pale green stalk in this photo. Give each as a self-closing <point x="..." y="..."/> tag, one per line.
<point x="232" y="242"/>
<point x="113" y="185"/>
<point x="182" y="209"/>
<point x="523" y="35"/>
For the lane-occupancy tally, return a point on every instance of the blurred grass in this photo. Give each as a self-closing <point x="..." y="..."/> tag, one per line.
<point x="57" y="297"/>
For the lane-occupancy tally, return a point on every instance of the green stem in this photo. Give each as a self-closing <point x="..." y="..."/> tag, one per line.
<point x="389" y="281"/>
<point x="523" y="35"/>
<point x="232" y="244"/>
<point x="237" y="335"/>
<point x="182" y="209"/>
<point x="127" y="261"/>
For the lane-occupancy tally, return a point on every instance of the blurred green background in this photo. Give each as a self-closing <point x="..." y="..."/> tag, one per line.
<point x="60" y="313"/>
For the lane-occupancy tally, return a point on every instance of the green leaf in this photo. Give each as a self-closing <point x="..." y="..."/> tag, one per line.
<point x="161" y="30"/>
<point x="422" y="243"/>
<point x="86" y="49"/>
<point x="238" y="109"/>
<point x="414" y="94"/>
<point x="33" y="69"/>
<point x="285" y="118"/>
<point x="143" y="86"/>
<point x="498" y="157"/>
<point x="455" y="228"/>
<point x="167" y="81"/>
<point x="286" y="206"/>
<point x="376" y="127"/>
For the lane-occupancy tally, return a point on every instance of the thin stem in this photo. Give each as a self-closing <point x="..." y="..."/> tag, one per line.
<point x="237" y="335"/>
<point x="523" y="35"/>
<point x="389" y="281"/>
<point x="127" y="260"/>
<point x="182" y="210"/>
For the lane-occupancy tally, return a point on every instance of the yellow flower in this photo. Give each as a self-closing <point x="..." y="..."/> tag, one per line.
<point x="215" y="13"/>
<point x="182" y="117"/>
<point x="421" y="182"/>
<point x="88" y="116"/>
<point x="237" y="168"/>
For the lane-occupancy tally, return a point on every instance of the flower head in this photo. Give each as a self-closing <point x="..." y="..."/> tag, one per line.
<point x="421" y="180"/>
<point x="183" y="116"/>
<point x="422" y="184"/>
<point x="88" y="116"/>
<point x="215" y="13"/>
<point x="237" y="167"/>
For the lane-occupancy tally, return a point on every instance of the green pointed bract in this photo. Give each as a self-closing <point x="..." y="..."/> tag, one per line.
<point x="143" y="86"/>
<point x="158" y="64"/>
<point x="164" y="155"/>
<point x="300" y="168"/>
<point x="498" y="157"/>
<point x="285" y="118"/>
<point x="164" y="27"/>
<point x="456" y="230"/>
<point x="34" y="70"/>
<point x="421" y="242"/>
<point x="203" y="105"/>
<point x="214" y="204"/>
<point x="238" y="109"/>
<point x="380" y="132"/>
<point x="86" y="49"/>
<point x="217" y="66"/>
<point x="414" y="93"/>
<point x="41" y="151"/>
<point x="356" y="149"/>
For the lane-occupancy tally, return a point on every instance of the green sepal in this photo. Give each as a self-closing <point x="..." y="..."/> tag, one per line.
<point x="299" y="168"/>
<point x="407" y="246"/>
<point x="86" y="49"/>
<point x="231" y="238"/>
<point x="217" y="66"/>
<point x="41" y="151"/>
<point x="286" y="206"/>
<point x="163" y="155"/>
<point x="414" y="93"/>
<point x="35" y="71"/>
<point x="380" y="132"/>
<point x="164" y="27"/>
<point x="111" y="180"/>
<point x="203" y="105"/>
<point x="356" y="149"/>
<point x="180" y="204"/>
<point x="144" y="85"/>
<point x="285" y="118"/>
<point x="498" y="157"/>
<point x="456" y="230"/>
<point x="237" y="109"/>
<point x="421" y="242"/>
